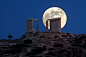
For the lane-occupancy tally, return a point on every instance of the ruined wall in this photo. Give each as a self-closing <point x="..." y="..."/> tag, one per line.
<point x="45" y="33"/>
<point x="29" y="26"/>
<point x="55" y="25"/>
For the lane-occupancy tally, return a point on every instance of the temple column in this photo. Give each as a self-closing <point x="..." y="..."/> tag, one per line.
<point x="32" y="23"/>
<point x="47" y="26"/>
<point x="37" y="26"/>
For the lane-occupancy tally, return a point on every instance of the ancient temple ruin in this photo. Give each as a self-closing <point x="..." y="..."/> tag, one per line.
<point x="30" y="25"/>
<point x="30" y="30"/>
<point x="55" y="25"/>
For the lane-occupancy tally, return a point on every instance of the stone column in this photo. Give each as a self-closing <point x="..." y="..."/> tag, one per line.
<point x="37" y="26"/>
<point x="47" y="26"/>
<point x="32" y="26"/>
<point x="26" y="27"/>
<point x="55" y="25"/>
<point x="32" y="23"/>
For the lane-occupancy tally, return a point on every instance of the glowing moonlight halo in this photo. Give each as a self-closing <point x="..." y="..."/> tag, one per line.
<point x="54" y="12"/>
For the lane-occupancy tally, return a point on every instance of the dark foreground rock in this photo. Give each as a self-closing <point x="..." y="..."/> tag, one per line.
<point x="66" y="45"/>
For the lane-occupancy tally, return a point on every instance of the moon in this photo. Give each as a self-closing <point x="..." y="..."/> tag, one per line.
<point x="54" y="12"/>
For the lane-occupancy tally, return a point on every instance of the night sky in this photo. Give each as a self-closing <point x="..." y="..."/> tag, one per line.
<point x="14" y="13"/>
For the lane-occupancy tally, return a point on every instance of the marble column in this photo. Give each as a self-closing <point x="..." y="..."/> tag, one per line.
<point x="32" y="23"/>
<point x="47" y="26"/>
<point x="37" y="26"/>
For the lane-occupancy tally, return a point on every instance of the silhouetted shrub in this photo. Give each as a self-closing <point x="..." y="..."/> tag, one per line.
<point x="44" y="46"/>
<point x="39" y="56"/>
<point x="70" y="36"/>
<point x="42" y="36"/>
<point x="51" y="49"/>
<point x="63" y="35"/>
<point x="35" y="34"/>
<point x="79" y="41"/>
<point x="48" y="37"/>
<point x="15" y="49"/>
<point x="47" y="56"/>
<point x="12" y="51"/>
<point x="84" y="45"/>
<point x="82" y="37"/>
<point x="55" y="36"/>
<point x="28" y="41"/>
<point x="35" y="51"/>
<point x="32" y="53"/>
<point x="18" y="46"/>
<point x="58" y="45"/>
<point x="23" y="36"/>
<point x="10" y="36"/>
<point x="38" y="49"/>
<point x="71" y="41"/>
<point x="74" y="45"/>
<point x="50" y="53"/>
<point x="61" y="51"/>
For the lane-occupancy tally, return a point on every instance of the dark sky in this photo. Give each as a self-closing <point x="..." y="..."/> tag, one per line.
<point x="14" y="13"/>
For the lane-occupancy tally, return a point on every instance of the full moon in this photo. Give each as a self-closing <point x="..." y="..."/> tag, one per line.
<point x="54" y="12"/>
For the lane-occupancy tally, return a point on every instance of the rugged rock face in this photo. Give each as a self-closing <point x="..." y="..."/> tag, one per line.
<point x="47" y="45"/>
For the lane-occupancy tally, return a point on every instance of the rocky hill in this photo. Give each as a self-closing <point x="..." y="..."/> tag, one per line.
<point x="47" y="45"/>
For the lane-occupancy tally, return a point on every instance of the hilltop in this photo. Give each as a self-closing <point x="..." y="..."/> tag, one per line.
<point x="46" y="44"/>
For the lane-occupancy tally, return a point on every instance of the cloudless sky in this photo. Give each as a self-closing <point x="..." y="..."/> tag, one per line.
<point x="14" y="13"/>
